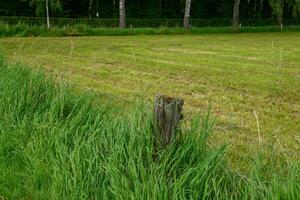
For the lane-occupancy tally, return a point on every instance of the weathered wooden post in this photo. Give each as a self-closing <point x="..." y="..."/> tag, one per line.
<point x="167" y="115"/>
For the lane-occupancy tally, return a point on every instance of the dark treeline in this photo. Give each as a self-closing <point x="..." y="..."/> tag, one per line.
<point x="143" y="9"/>
<point x="151" y="9"/>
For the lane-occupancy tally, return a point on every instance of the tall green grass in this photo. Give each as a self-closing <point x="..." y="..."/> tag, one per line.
<point x="57" y="145"/>
<point x="25" y="30"/>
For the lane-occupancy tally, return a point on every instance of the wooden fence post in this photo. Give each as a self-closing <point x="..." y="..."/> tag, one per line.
<point x="167" y="115"/>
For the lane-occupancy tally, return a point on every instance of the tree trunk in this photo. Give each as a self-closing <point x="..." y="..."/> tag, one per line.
<point x="167" y="115"/>
<point x="279" y="18"/>
<point x="122" y="14"/>
<point x="47" y="13"/>
<point x="139" y="8"/>
<point x="90" y="9"/>
<point x="236" y="15"/>
<point x="186" y="20"/>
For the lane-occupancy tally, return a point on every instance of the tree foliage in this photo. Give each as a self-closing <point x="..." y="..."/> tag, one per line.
<point x="279" y="6"/>
<point x="152" y="8"/>
<point x="40" y="6"/>
<point x="295" y="6"/>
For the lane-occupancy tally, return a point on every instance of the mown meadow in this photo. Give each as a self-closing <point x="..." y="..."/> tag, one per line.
<point x="55" y="144"/>
<point x="251" y="81"/>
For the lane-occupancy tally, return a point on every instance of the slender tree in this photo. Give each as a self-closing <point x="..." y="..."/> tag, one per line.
<point x="122" y="23"/>
<point x="114" y="11"/>
<point x="187" y="14"/>
<point x="278" y="7"/>
<point x="47" y="13"/>
<point x="90" y="8"/>
<point x="236" y="15"/>
<point x="43" y="7"/>
<point x="139" y="8"/>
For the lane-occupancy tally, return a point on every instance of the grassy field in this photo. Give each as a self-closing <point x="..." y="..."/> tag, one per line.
<point x="55" y="145"/>
<point x="252" y="81"/>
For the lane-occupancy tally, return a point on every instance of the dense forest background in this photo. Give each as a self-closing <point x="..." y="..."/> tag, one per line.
<point x="144" y="9"/>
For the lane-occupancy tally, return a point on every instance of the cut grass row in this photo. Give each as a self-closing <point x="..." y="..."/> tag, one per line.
<point x="239" y="74"/>
<point x="57" y="145"/>
<point x="24" y="30"/>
